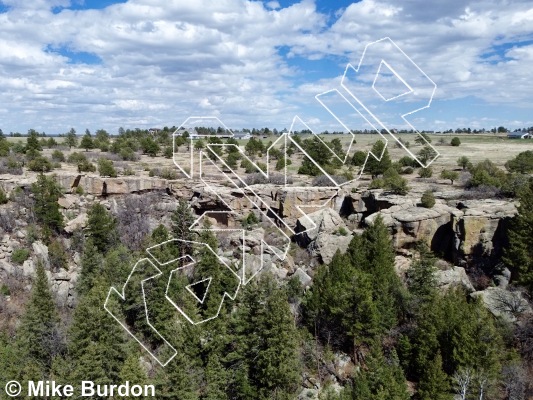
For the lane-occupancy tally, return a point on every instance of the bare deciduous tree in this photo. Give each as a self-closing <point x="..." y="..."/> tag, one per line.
<point x="462" y="380"/>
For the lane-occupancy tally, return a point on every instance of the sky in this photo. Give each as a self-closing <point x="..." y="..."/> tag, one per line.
<point x="152" y="63"/>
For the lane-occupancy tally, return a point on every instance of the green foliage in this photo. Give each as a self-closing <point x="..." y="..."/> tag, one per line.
<point x="421" y="279"/>
<point x="423" y="139"/>
<point x="359" y="158"/>
<point x="38" y="325"/>
<point x="20" y="255"/>
<point x="199" y="144"/>
<point x="407" y="161"/>
<point x="426" y="154"/>
<point x="58" y="155"/>
<point x="456" y="142"/>
<point x="434" y="383"/>
<point x="463" y="162"/>
<point x="428" y="199"/>
<point x="451" y="175"/>
<point x="149" y="146"/>
<point x="106" y="168"/>
<point x="40" y="164"/>
<point x="46" y="192"/>
<point x="254" y="147"/>
<point x="71" y="140"/>
<point x="425" y="172"/>
<point x="87" y="142"/>
<point x="79" y="190"/>
<point x="182" y="219"/>
<point x="518" y="255"/>
<point x="382" y="379"/>
<point x="486" y="173"/>
<point x="522" y="163"/>
<point x="57" y="255"/>
<point x="250" y="220"/>
<point x="377" y="167"/>
<point x="3" y="196"/>
<point x="101" y="227"/>
<point x="394" y="182"/>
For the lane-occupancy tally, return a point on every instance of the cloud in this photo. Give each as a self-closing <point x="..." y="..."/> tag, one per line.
<point x="158" y="62"/>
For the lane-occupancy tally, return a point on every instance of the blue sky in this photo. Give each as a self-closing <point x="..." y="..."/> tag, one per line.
<point x="146" y="63"/>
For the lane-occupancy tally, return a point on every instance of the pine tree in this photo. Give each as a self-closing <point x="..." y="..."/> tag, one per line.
<point x="421" y="279"/>
<point x="132" y="371"/>
<point x="91" y="267"/>
<point x="87" y="142"/>
<point x="37" y="335"/>
<point x="269" y="343"/>
<point x="46" y="193"/>
<point x="378" y="262"/>
<point x="182" y="219"/>
<point x="382" y="379"/>
<point x="434" y="384"/>
<point x="518" y="256"/>
<point x="375" y="167"/>
<point x="96" y="341"/>
<point x="101" y="227"/>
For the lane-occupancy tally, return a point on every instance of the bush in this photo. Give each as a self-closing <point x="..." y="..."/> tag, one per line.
<point x="456" y="142"/>
<point x="486" y="173"/>
<point x="428" y="199"/>
<point x="11" y="166"/>
<point x="79" y="190"/>
<point x="20" y="255"/>
<point x="425" y="172"/>
<point x="378" y="183"/>
<point x="451" y="175"/>
<point x="359" y="158"/>
<point x="3" y="197"/>
<point x="325" y="181"/>
<point x="522" y="163"/>
<point x="58" y="155"/>
<point x="76" y="158"/>
<point x="106" y="168"/>
<point x="342" y="231"/>
<point x="57" y="255"/>
<point x="86" y="166"/>
<point x="407" y="161"/>
<point x="395" y="183"/>
<point x="165" y="173"/>
<point x="408" y="171"/>
<point x="463" y="162"/>
<point x="40" y="164"/>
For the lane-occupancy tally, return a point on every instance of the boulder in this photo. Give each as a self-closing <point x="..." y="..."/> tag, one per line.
<point x="311" y="225"/>
<point x="326" y="245"/>
<point x="503" y="303"/>
<point x="67" y="201"/>
<point x="304" y="279"/>
<point x="77" y="223"/>
<point x="40" y="251"/>
<point x="454" y="277"/>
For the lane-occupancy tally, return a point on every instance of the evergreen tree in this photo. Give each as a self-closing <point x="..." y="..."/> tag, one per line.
<point x="377" y="167"/>
<point x="182" y="219"/>
<point x="71" y="140"/>
<point x="37" y="336"/>
<point x="132" y="371"/>
<point x="33" y="146"/>
<point x="96" y="341"/>
<point x="382" y="379"/>
<point x="374" y="254"/>
<point x="87" y="142"/>
<point x="421" y="279"/>
<point x="46" y="193"/>
<point x="91" y="267"/>
<point x="434" y="384"/>
<point x="101" y="227"/>
<point x="518" y="256"/>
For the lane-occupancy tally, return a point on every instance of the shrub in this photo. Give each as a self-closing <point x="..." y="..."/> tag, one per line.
<point x="3" y="197"/>
<point x="325" y="181"/>
<point x="86" y="166"/>
<point x="76" y="158"/>
<point x="11" y="166"/>
<point x="486" y="173"/>
<point x="359" y="158"/>
<point x="58" y="155"/>
<point x="20" y="255"/>
<point x="394" y="182"/>
<point x="128" y="171"/>
<point x="407" y="171"/>
<point x="522" y="163"/>
<point x="407" y="161"/>
<point x="40" y="164"/>
<point x="79" y="190"/>
<point x="451" y="175"/>
<point x="57" y="255"/>
<point x="106" y="168"/>
<point x="428" y="199"/>
<point x="342" y="231"/>
<point x="425" y="172"/>
<point x="251" y="219"/>
<point x="463" y="162"/>
<point x="456" y="142"/>
<point x="165" y="173"/>
<point x="378" y="183"/>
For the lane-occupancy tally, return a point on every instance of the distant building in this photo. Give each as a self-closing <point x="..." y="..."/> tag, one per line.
<point x="153" y="131"/>
<point x="242" y="135"/>
<point x="520" y="135"/>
